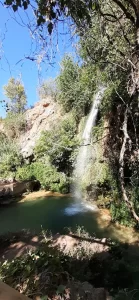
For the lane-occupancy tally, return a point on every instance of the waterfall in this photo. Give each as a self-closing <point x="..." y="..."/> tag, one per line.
<point x="83" y="158"/>
<point x="85" y="152"/>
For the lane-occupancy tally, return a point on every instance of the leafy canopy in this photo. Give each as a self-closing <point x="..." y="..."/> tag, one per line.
<point x="58" y="144"/>
<point x="15" y="92"/>
<point x="50" y="12"/>
<point x="48" y="88"/>
<point x="48" y="176"/>
<point x="10" y="157"/>
<point x="76" y="86"/>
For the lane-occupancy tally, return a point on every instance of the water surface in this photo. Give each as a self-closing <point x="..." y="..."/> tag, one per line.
<point x="58" y="213"/>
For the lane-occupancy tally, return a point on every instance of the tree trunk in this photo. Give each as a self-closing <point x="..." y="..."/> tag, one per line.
<point x="134" y="79"/>
<point x="126" y="138"/>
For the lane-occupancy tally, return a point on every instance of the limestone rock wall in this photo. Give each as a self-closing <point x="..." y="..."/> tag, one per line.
<point x="41" y="117"/>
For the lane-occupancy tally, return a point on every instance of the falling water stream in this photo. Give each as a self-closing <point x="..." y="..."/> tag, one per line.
<point x="84" y="156"/>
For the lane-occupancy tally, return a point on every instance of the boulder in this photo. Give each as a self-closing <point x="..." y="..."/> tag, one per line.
<point x="9" y="190"/>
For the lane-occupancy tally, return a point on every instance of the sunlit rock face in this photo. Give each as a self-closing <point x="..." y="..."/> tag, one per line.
<point x="42" y="116"/>
<point x="11" y="188"/>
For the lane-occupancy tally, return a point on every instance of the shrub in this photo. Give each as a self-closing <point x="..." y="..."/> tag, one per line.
<point x="121" y="214"/>
<point x="25" y="172"/>
<point x="14" y="124"/>
<point x="76" y="86"/>
<point x="58" y="144"/>
<point x="15" y="92"/>
<point x="47" y="175"/>
<point x="10" y="157"/>
<point x="48" y="88"/>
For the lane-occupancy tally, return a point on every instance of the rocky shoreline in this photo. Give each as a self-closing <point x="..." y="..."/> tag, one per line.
<point x="11" y="189"/>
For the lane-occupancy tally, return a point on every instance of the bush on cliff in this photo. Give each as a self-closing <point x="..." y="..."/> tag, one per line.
<point x="76" y="86"/>
<point x="47" y="175"/>
<point x="10" y="157"/>
<point x="58" y="145"/>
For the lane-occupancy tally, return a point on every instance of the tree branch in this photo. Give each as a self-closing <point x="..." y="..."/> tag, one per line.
<point x="104" y="61"/>
<point x="126" y="12"/>
<point x="133" y="5"/>
<point x="129" y="204"/>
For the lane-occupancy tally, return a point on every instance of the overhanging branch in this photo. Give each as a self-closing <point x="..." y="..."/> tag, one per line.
<point x="126" y="12"/>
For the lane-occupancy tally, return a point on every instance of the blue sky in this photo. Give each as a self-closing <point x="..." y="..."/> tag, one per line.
<point x="16" y="43"/>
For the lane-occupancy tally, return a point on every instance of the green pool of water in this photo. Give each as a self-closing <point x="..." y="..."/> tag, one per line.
<point x="56" y="214"/>
<point x="52" y="213"/>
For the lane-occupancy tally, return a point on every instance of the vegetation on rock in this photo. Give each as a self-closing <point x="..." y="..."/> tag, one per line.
<point x="48" y="88"/>
<point x="76" y="86"/>
<point x="59" y="144"/>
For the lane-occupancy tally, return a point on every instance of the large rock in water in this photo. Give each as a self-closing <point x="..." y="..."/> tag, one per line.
<point x="41" y="117"/>
<point x="8" y="190"/>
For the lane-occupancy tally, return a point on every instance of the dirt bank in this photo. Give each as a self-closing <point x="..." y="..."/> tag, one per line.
<point x="42" y="194"/>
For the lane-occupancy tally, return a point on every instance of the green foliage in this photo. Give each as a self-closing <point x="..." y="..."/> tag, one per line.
<point x="14" y="124"/>
<point x="48" y="88"/>
<point x="97" y="131"/>
<point x="10" y="157"/>
<point x="46" y="174"/>
<point x="50" y="12"/>
<point x="54" y="154"/>
<point x="25" y="172"/>
<point x="114" y="94"/>
<point x="105" y="46"/>
<point x="109" y="53"/>
<point x="135" y="195"/>
<point x="58" y="144"/>
<point x="76" y="85"/>
<point x="14" y="91"/>
<point x="120" y="213"/>
<point x="50" y="179"/>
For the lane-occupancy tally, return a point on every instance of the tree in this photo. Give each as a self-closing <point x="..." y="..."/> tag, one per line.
<point x="10" y="157"/>
<point x="76" y="85"/>
<point x="48" y="88"/>
<point x="50" y="12"/>
<point x="122" y="14"/>
<point x="15" y="93"/>
<point x="117" y="55"/>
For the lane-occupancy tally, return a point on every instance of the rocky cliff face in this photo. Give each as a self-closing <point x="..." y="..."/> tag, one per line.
<point x="41" y="117"/>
